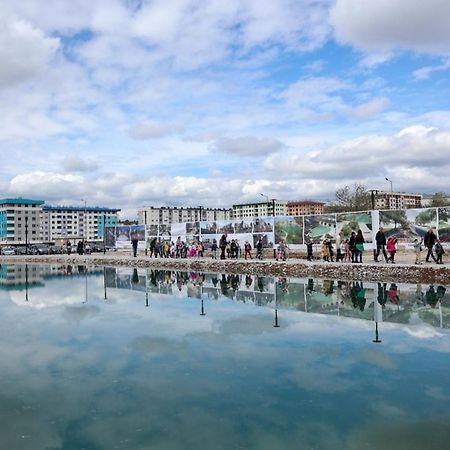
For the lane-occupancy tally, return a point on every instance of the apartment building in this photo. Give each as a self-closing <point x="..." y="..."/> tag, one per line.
<point x="397" y="200"/>
<point x="151" y="215"/>
<point x="260" y="209"/>
<point x="76" y="222"/>
<point x="20" y="220"/>
<point x="302" y="208"/>
<point x="25" y="220"/>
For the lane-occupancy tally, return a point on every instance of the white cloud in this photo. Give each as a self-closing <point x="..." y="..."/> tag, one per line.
<point x="316" y="92"/>
<point x="25" y="51"/>
<point x="385" y="25"/>
<point x="248" y="146"/>
<point x="418" y="148"/>
<point x="424" y="72"/>
<point x="153" y="130"/>
<point x="369" y="109"/>
<point x="74" y="163"/>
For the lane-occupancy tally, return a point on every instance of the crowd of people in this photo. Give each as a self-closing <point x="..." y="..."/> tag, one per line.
<point x="352" y="249"/>
<point x="224" y="249"/>
<point x="347" y="250"/>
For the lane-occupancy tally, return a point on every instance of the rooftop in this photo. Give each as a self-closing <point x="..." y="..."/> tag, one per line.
<point x="20" y="201"/>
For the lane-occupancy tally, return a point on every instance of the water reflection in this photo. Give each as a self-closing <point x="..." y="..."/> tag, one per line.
<point x="382" y="301"/>
<point x="138" y="366"/>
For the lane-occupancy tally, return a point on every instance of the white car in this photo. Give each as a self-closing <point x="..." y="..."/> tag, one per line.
<point x="8" y="251"/>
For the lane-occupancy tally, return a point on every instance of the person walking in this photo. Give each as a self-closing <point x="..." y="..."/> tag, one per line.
<point x="391" y="246"/>
<point x="309" y="250"/>
<point x="259" y="249"/>
<point x="429" y="240"/>
<point x="214" y="249"/>
<point x="247" y="250"/>
<point x="339" y="246"/>
<point x="325" y="250"/>
<point x="359" y="246"/>
<point x="223" y="246"/>
<point x="134" y="244"/>
<point x="417" y="245"/>
<point x="351" y="244"/>
<point x="380" y="239"/>
<point x="439" y="250"/>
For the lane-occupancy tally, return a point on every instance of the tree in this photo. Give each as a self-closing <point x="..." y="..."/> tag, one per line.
<point x="396" y="216"/>
<point x="352" y="198"/>
<point x="439" y="199"/>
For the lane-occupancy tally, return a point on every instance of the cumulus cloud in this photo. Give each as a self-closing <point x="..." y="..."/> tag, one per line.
<point x="25" y="50"/>
<point x="153" y="130"/>
<point x="74" y="163"/>
<point x="414" y="154"/>
<point x="387" y="25"/>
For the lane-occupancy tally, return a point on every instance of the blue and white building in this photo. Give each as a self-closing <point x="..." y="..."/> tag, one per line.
<point x="76" y="222"/>
<point x="26" y="220"/>
<point x="20" y="220"/>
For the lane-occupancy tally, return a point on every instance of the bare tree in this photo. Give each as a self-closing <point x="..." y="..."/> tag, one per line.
<point x="351" y="198"/>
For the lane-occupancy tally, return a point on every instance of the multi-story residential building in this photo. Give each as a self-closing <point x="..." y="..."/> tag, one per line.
<point x="151" y="215"/>
<point x="20" y="220"/>
<point x="76" y="222"/>
<point x="24" y="220"/>
<point x="260" y="209"/>
<point x="397" y="200"/>
<point x="302" y="208"/>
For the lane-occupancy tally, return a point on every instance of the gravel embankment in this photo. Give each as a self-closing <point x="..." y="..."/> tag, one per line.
<point x="403" y="271"/>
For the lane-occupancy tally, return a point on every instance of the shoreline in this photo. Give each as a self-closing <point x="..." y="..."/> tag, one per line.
<point x="367" y="271"/>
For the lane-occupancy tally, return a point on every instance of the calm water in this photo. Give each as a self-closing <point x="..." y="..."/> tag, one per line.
<point x="139" y="359"/>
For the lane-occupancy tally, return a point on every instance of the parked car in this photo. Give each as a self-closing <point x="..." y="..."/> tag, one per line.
<point x="21" y="250"/>
<point x="8" y="251"/>
<point x="97" y="247"/>
<point x="40" y="249"/>
<point x="55" y="250"/>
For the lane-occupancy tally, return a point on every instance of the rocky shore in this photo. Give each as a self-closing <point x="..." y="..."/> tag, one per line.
<point x="404" y="271"/>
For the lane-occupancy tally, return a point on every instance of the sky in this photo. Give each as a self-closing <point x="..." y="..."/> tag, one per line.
<point x="126" y="103"/>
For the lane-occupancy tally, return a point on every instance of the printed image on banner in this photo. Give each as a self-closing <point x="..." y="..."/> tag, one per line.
<point x="242" y="238"/>
<point x="408" y="224"/>
<point x="348" y="222"/>
<point x="225" y="227"/>
<point x="207" y="241"/>
<point x="123" y="233"/>
<point x="263" y="225"/>
<point x="444" y="224"/>
<point x="110" y="237"/>
<point x="208" y="227"/>
<point x="289" y="230"/>
<point x="243" y="226"/>
<point x="267" y="239"/>
<point x="319" y="227"/>
<point x="178" y="229"/>
<point x="193" y="228"/>
<point x="152" y="230"/>
<point x="164" y="232"/>
<point x="137" y="232"/>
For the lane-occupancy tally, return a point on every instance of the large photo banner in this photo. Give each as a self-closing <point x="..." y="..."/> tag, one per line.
<point x="126" y="233"/>
<point x="346" y="223"/>
<point x="289" y="230"/>
<point x="408" y="224"/>
<point x="295" y="231"/>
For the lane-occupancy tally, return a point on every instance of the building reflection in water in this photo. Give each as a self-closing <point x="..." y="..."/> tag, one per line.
<point x="375" y="301"/>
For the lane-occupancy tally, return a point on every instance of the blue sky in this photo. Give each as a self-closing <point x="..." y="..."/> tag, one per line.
<point x="187" y="102"/>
